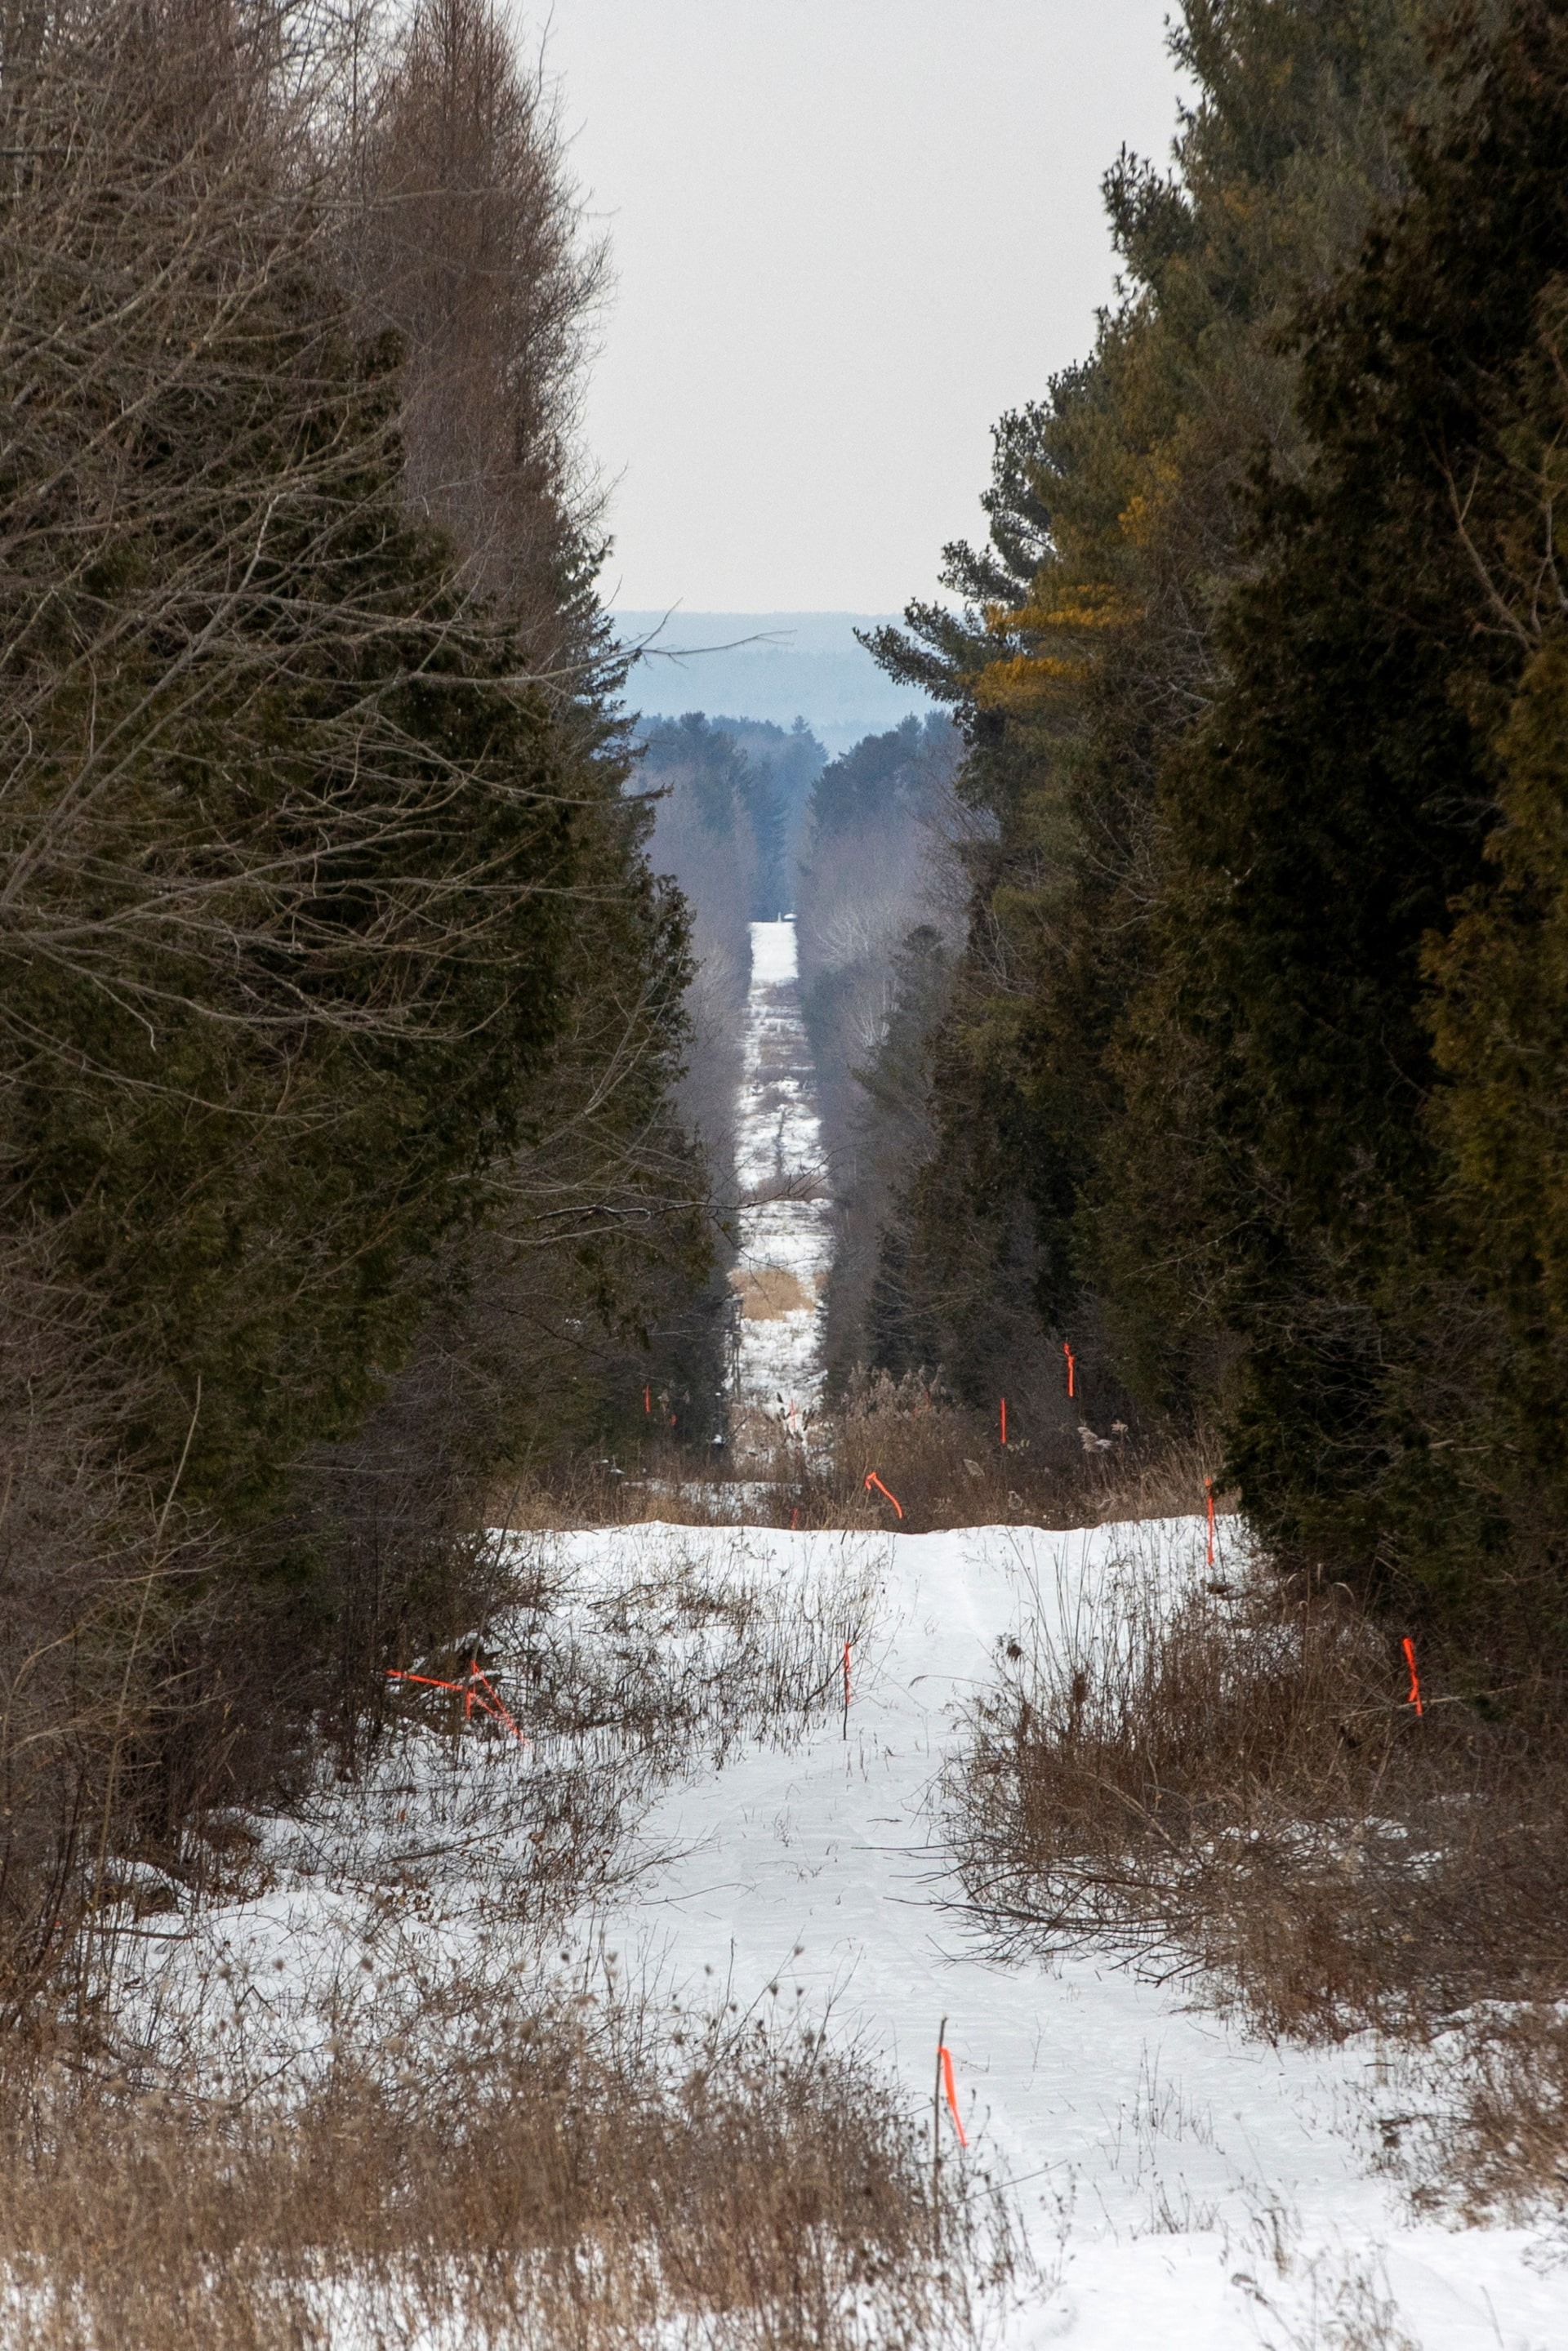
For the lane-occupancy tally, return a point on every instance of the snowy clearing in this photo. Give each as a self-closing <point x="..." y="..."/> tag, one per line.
<point x="1170" y="2169"/>
<point x="1166" y="2163"/>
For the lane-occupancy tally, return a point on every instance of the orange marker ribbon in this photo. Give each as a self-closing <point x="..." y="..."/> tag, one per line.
<point x="873" y="1479"/>
<point x="1414" y="1698"/>
<point x="648" y="1399"/>
<point x="1004" y="1421"/>
<point x="1208" y="1490"/>
<point x="1072" y="1369"/>
<point x="477" y="1690"/>
<point x="946" y="2056"/>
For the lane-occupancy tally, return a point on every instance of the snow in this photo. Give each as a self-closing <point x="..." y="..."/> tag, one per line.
<point x="1173" y="2168"/>
<point x="1173" y="2173"/>
<point x="784" y="1228"/>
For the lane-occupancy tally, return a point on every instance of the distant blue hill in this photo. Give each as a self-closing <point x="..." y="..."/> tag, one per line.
<point x="776" y="666"/>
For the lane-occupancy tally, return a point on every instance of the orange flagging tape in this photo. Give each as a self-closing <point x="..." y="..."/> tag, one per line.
<point x="1072" y="1369"/>
<point x="477" y="1690"/>
<point x="1208" y="1490"/>
<point x="946" y="2056"/>
<point x="648" y="1399"/>
<point x="1004" y="1420"/>
<point x="873" y="1479"/>
<point x="1414" y="1698"/>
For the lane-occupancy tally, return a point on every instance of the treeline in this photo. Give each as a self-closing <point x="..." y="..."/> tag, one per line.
<point x="730" y="797"/>
<point x="340" y="1009"/>
<point x="880" y="921"/>
<point x="1252" y="1078"/>
<point x="735" y="797"/>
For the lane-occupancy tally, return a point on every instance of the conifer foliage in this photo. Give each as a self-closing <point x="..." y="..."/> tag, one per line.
<point x="1253" y="1064"/>
<point x="335" y="990"/>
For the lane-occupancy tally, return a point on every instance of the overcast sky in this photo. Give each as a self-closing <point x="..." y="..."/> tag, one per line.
<point x="847" y="234"/>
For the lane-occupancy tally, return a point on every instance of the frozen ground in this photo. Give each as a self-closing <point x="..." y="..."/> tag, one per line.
<point x="1185" y="2183"/>
<point x="785" y="1239"/>
<point x="1181" y="2182"/>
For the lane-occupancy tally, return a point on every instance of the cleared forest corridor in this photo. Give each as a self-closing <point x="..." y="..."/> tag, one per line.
<point x="786" y="1245"/>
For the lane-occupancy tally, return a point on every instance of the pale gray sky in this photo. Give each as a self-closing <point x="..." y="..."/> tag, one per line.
<point x="847" y="234"/>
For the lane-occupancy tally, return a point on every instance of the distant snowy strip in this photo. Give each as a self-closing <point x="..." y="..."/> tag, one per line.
<point x="786" y="1245"/>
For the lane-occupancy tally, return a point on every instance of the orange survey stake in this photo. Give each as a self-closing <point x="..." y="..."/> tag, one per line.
<point x="946" y="2056"/>
<point x="1414" y="1698"/>
<point x="1208" y="1490"/>
<point x="1072" y="1368"/>
<point x="873" y="1479"/>
<point x="478" y="1689"/>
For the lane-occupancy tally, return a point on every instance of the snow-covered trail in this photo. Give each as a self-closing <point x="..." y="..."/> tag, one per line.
<point x="786" y="1244"/>
<point x="1161" y="2157"/>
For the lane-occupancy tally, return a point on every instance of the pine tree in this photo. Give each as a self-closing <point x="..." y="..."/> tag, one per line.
<point x="1070" y="1111"/>
<point x="1331" y="812"/>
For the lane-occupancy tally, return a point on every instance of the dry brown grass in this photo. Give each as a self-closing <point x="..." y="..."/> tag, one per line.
<point x="417" y="2108"/>
<point x="519" y="2173"/>
<point x="1230" y="1779"/>
<point x="769" y="1292"/>
<point x="1498" y="2146"/>
<point x="946" y="1465"/>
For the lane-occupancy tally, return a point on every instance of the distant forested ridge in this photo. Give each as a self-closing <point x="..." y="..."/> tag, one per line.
<point x="774" y="667"/>
<point x="1250" y="1074"/>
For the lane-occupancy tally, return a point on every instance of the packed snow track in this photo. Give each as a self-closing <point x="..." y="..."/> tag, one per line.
<point x="1183" y="2182"/>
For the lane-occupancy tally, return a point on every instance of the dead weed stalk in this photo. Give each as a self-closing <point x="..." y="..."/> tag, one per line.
<point x="536" y="2171"/>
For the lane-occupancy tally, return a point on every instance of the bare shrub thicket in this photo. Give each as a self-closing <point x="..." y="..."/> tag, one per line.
<point x="1494" y="2144"/>
<point x="944" y="1462"/>
<point x="1229" y="1776"/>
<point x="78" y="1559"/>
<point x="459" y="231"/>
<point x="137" y="1683"/>
<point x="956" y="1470"/>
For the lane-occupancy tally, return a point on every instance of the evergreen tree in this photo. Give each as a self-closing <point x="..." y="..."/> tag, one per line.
<point x="1391" y="691"/>
<point x="1068" y="1111"/>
